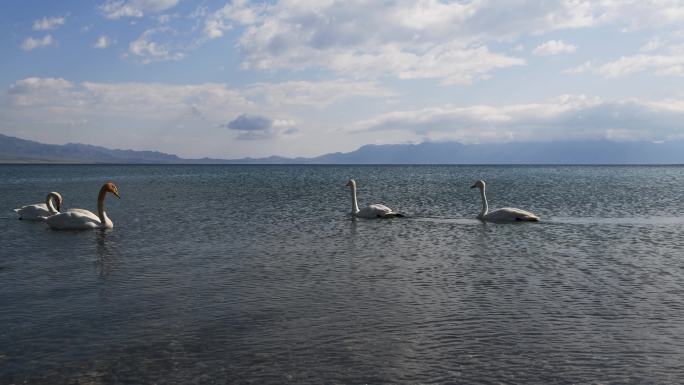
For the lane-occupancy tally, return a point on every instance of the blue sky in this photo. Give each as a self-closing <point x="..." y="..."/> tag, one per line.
<point x="300" y="78"/>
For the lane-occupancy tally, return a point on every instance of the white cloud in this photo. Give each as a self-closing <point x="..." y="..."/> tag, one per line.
<point x="315" y="94"/>
<point x="30" y="43"/>
<point x="142" y="113"/>
<point x="405" y="39"/>
<point x="566" y="117"/>
<point x="31" y="92"/>
<point x="659" y="57"/>
<point x="554" y="47"/>
<point x="48" y="23"/>
<point x="659" y="65"/>
<point x="198" y="98"/>
<point x="148" y="51"/>
<point x="415" y="39"/>
<point x="238" y="12"/>
<point x="160" y="101"/>
<point x="457" y="65"/>
<point x="115" y="9"/>
<point x="103" y="42"/>
<point x="48" y="101"/>
<point x="449" y="41"/>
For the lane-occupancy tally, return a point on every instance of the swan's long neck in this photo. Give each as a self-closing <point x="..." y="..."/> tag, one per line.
<point x="51" y="197"/>
<point x="485" y="207"/>
<point x="355" y="204"/>
<point x="100" y="206"/>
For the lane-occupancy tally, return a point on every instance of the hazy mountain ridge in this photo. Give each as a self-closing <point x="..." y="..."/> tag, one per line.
<point x="575" y="152"/>
<point x="16" y="150"/>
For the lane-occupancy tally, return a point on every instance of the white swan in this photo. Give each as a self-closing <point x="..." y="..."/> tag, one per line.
<point x="79" y="219"/>
<point x="506" y="214"/>
<point x="370" y="211"/>
<point x="40" y="211"/>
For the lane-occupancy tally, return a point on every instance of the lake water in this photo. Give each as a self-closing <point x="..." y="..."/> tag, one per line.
<point x="257" y="274"/>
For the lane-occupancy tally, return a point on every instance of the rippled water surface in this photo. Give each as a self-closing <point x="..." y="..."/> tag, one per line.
<point x="256" y="274"/>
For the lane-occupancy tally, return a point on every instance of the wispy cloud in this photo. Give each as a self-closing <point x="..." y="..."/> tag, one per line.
<point x="554" y="47"/>
<point x="115" y="9"/>
<point x="659" y="65"/>
<point x="147" y="51"/>
<point x="103" y="42"/>
<point x="48" y="23"/>
<point x="30" y="43"/>
<point x="238" y="12"/>
<point x="316" y="94"/>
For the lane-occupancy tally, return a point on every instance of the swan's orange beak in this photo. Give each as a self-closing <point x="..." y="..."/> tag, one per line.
<point x="115" y="192"/>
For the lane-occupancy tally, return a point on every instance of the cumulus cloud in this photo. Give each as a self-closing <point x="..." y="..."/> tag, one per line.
<point x="148" y="51"/>
<point x="30" y="43"/>
<point x="407" y="40"/>
<point x="568" y="117"/>
<point x="103" y="42"/>
<point x="254" y="127"/>
<point x="415" y="39"/>
<point x="448" y="41"/>
<point x="48" y="23"/>
<point x="115" y="9"/>
<point x="554" y="47"/>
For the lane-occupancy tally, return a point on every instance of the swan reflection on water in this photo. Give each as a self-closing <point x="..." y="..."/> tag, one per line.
<point x="107" y="252"/>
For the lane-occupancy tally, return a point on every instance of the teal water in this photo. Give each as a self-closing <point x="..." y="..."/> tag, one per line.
<point x="257" y="274"/>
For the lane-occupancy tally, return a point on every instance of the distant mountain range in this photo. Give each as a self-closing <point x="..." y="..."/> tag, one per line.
<point x="15" y="150"/>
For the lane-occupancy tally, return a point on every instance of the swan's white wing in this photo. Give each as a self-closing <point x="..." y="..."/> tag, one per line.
<point x="510" y="214"/>
<point x="37" y="212"/>
<point x="376" y="211"/>
<point x="74" y="220"/>
<point x="79" y="211"/>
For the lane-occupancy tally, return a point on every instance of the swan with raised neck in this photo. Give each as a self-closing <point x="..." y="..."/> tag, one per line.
<point x="505" y="214"/>
<point x="80" y="219"/>
<point x="371" y="211"/>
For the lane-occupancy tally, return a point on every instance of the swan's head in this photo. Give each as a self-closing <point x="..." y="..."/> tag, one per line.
<point x="351" y="183"/>
<point x="111" y="187"/>
<point x="479" y="184"/>
<point x="58" y="199"/>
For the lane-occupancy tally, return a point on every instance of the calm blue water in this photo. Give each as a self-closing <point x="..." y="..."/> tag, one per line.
<point x="256" y="274"/>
